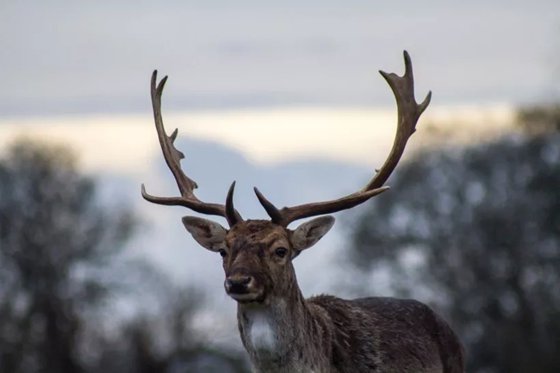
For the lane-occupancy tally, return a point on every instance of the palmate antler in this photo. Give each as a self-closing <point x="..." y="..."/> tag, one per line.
<point x="408" y="113"/>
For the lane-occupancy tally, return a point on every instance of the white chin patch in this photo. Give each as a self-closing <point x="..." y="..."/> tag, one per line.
<point x="261" y="333"/>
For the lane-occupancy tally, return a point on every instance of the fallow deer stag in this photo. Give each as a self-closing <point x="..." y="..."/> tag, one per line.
<point x="282" y="331"/>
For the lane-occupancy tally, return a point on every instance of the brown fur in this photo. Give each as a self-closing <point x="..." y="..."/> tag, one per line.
<point x="283" y="332"/>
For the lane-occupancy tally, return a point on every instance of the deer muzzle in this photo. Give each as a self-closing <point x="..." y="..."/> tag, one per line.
<point x="242" y="288"/>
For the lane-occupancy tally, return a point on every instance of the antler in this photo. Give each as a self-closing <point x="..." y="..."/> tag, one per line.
<point x="184" y="183"/>
<point x="408" y="113"/>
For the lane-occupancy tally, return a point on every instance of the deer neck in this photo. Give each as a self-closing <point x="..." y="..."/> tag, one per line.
<point x="281" y="334"/>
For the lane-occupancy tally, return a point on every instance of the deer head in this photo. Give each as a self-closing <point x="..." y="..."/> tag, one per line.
<point x="257" y="254"/>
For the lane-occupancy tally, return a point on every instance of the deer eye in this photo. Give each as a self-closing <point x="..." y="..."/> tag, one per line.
<point x="281" y="252"/>
<point x="223" y="253"/>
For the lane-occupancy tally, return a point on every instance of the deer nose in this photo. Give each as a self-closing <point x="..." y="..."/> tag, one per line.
<point x="238" y="283"/>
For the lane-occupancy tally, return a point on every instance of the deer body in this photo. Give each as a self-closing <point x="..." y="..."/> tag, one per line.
<point x="331" y="335"/>
<point x="282" y="331"/>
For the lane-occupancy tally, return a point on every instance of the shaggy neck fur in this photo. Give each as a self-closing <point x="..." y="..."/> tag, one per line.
<point x="275" y="332"/>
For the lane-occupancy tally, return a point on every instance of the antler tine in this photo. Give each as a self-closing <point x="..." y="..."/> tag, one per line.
<point x="408" y="114"/>
<point x="173" y="158"/>
<point x="232" y="215"/>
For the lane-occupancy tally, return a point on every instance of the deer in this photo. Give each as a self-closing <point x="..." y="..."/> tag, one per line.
<point x="280" y="329"/>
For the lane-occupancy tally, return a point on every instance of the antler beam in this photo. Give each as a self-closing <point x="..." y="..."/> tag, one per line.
<point x="173" y="158"/>
<point x="408" y="114"/>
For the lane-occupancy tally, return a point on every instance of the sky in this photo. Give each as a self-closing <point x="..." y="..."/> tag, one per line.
<point x="283" y="95"/>
<point x="265" y="78"/>
<point x="62" y="56"/>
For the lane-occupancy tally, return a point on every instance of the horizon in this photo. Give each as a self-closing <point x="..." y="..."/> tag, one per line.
<point x="265" y="137"/>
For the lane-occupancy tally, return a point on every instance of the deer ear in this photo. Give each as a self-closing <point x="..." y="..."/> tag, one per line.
<point x="307" y="234"/>
<point x="207" y="233"/>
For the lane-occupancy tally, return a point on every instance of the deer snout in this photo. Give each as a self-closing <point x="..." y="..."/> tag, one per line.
<point x="238" y="283"/>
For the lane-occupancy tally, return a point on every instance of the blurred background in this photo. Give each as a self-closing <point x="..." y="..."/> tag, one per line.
<point x="285" y="97"/>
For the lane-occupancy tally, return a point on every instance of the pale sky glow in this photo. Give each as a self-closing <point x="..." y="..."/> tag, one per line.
<point x="124" y="143"/>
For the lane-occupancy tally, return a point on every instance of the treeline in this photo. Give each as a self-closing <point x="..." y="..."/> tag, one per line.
<point x="61" y="270"/>
<point x="476" y="232"/>
<point x="473" y="231"/>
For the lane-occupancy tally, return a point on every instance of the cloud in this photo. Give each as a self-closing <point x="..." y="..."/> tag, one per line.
<point x="64" y="57"/>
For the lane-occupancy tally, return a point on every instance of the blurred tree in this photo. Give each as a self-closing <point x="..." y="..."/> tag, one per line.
<point x="54" y="238"/>
<point x="58" y="247"/>
<point x="477" y="233"/>
<point x="162" y="336"/>
<point x="538" y="119"/>
<point x="182" y="351"/>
